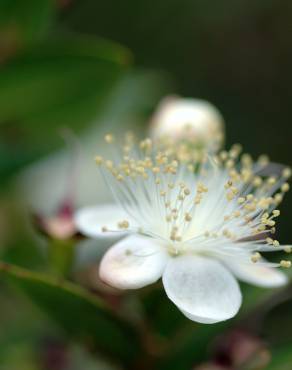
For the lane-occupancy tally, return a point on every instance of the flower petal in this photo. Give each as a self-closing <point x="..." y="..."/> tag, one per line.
<point x="258" y="274"/>
<point x="132" y="263"/>
<point x="91" y="220"/>
<point x="202" y="288"/>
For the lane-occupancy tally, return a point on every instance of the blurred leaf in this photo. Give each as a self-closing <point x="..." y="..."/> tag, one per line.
<point x="81" y="314"/>
<point x="55" y="74"/>
<point x="192" y="340"/>
<point x="277" y="317"/>
<point x="23" y="22"/>
<point x="56" y="84"/>
<point x="281" y="359"/>
<point x="19" y="356"/>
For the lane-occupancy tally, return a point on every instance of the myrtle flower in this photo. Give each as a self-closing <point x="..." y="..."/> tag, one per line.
<point x="198" y="221"/>
<point x="181" y="118"/>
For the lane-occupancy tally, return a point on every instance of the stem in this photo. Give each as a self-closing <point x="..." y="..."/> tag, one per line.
<point x="61" y="255"/>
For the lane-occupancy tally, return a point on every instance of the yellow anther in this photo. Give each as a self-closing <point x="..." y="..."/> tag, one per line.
<point x="278" y="198"/>
<point x="223" y="155"/>
<point x="109" y="164"/>
<point x="246" y="160"/>
<point x="257" y="181"/>
<point x="285" y="187"/>
<point x="263" y="160"/>
<point x="288" y="249"/>
<point x="272" y="180"/>
<point x="120" y="177"/>
<point x="276" y="213"/>
<point x="235" y="151"/>
<point x="255" y="257"/>
<point x="287" y="172"/>
<point x="187" y="191"/>
<point x="109" y="138"/>
<point x="168" y="218"/>
<point x="198" y="199"/>
<point x="270" y="241"/>
<point x="276" y="243"/>
<point x="236" y="214"/>
<point x="156" y="169"/>
<point x="240" y="200"/>
<point x="123" y="224"/>
<point x="228" y="184"/>
<point x="262" y="228"/>
<point x="146" y="144"/>
<point x="230" y="196"/>
<point x="188" y="217"/>
<point x="285" y="264"/>
<point x="202" y="188"/>
<point x="98" y="160"/>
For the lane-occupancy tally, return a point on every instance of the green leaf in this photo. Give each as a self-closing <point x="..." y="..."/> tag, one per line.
<point x="56" y="84"/>
<point x="194" y="339"/>
<point x="81" y="314"/>
<point x="52" y="78"/>
<point x="24" y="22"/>
<point x="281" y="358"/>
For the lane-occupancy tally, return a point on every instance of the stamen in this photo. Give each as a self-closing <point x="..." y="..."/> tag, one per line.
<point x="185" y="198"/>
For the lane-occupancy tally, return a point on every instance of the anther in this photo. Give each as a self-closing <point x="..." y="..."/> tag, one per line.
<point x="255" y="257"/>
<point x="285" y="264"/>
<point x="188" y="217"/>
<point x="123" y="224"/>
<point x="287" y="172"/>
<point x="109" y="138"/>
<point x="285" y="187"/>
<point x="98" y="160"/>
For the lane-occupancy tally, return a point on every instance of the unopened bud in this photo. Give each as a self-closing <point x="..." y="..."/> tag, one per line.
<point x="188" y="119"/>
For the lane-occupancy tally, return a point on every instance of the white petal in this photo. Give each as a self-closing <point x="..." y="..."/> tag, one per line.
<point x="258" y="274"/>
<point x="132" y="263"/>
<point x="202" y="288"/>
<point x="91" y="220"/>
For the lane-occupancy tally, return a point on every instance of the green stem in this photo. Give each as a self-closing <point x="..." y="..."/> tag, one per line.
<point x="61" y="254"/>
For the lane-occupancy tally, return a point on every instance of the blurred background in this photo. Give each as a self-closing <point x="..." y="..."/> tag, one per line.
<point x="72" y="70"/>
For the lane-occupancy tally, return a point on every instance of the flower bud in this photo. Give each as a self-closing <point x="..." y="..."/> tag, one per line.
<point x="187" y="118"/>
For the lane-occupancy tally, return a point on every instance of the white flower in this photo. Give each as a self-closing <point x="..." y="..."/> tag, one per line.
<point x="181" y="118"/>
<point x="197" y="222"/>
